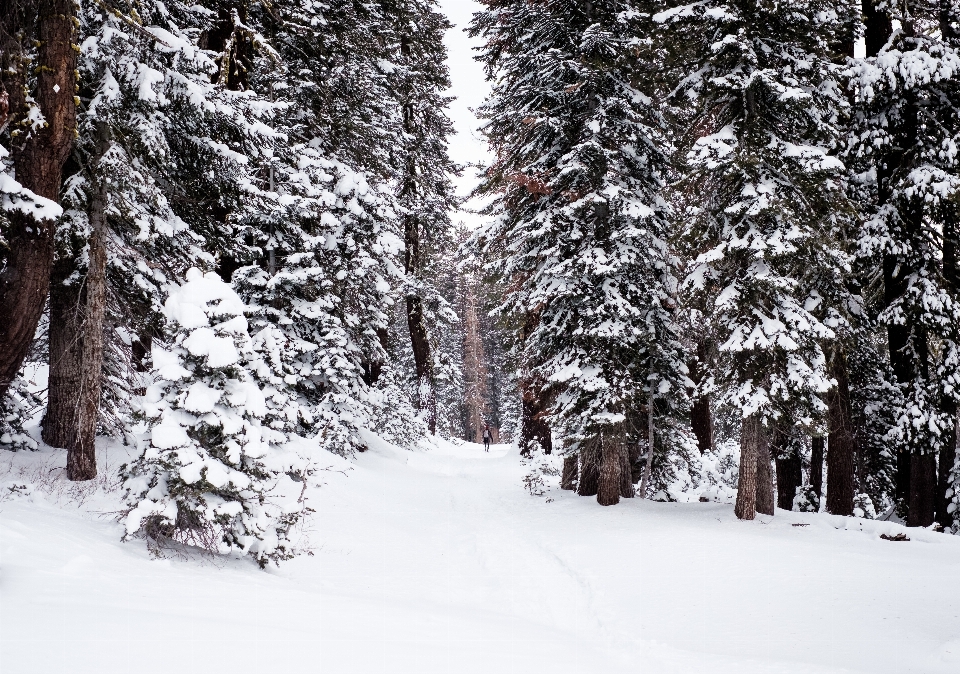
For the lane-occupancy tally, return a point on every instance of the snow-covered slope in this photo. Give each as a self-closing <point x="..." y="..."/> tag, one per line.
<point x="440" y="561"/>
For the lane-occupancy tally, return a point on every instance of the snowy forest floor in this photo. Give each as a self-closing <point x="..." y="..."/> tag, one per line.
<point x="438" y="560"/>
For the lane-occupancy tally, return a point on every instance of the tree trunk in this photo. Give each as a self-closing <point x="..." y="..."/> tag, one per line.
<point x="840" y="454"/>
<point x="923" y="486"/>
<point x="568" y="479"/>
<point x="648" y="464"/>
<point x="765" y="503"/>
<point x="589" y="482"/>
<point x="789" y="471"/>
<point x="626" y="482"/>
<point x="425" y="398"/>
<point x="701" y="414"/>
<point x="533" y="425"/>
<point x="82" y="456"/>
<point x="750" y="433"/>
<point x="877" y="28"/>
<point x="608" y="493"/>
<point x="38" y="161"/>
<point x="816" y="465"/>
<point x="948" y="458"/>
<point x="67" y="307"/>
<point x="701" y="418"/>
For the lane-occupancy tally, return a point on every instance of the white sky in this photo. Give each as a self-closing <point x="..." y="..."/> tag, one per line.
<point x="469" y="88"/>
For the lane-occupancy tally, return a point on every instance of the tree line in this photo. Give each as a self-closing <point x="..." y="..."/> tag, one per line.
<point x="722" y="220"/>
<point x="226" y="230"/>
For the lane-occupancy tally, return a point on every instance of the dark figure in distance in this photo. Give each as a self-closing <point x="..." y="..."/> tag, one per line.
<point x="486" y="438"/>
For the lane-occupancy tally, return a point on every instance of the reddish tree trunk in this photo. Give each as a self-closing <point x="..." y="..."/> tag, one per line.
<point x="38" y="161"/>
<point x="746" y="507"/>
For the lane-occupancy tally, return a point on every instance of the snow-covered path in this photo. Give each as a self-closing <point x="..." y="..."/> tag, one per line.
<point x="439" y="561"/>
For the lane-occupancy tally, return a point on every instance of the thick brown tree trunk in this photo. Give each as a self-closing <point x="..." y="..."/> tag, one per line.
<point x="608" y="492"/>
<point x="816" y="465"/>
<point x="841" y="450"/>
<point x="568" y="479"/>
<point x="765" y="503"/>
<point x="67" y="307"/>
<point x="750" y="437"/>
<point x="589" y="482"/>
<point x="789" y="471"/>
<point x="38" y="160"/>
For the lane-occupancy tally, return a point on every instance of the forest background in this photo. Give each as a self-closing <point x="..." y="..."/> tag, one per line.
<point x="717" y="249"/>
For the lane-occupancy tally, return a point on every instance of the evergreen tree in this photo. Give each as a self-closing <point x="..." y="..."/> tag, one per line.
<point x="160" y="176"/>
<point x="901" y="145"/>
<point x="580" y="238"/>
<point x="424" y="189"/>
<point x="764" y="207"/>
<point x="320" y="290"/>
<point x="213" y="475"/>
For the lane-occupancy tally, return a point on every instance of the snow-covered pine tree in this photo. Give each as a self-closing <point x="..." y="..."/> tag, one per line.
<point x="579" y="243"/>
<point x="424" y="170"/>
<point x="902" y="146"/>
<point x="212" y="474"/>
<point x="162" y="156"/>
<point x="320" y="292"/>
<point x="762" y="199"/>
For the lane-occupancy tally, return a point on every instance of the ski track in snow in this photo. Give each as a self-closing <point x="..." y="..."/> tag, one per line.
<point x="439" y="561"/>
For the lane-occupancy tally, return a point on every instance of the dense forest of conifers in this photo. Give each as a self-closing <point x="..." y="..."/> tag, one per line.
<point x="228" y="232"/>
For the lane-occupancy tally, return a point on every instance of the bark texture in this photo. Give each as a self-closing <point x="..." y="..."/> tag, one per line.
<point x="816" y="465"/>
<point x="38" y="158"/>
<point x="67" y="307"/>
<point x="82" y="454"/>
<point x="608" y="492"/>
<point x="746" y="507"/>
<point x="568" y="479"/>
<point x="842" y="450"/>
<point x="626" y="476"/>
<point x="589" y="470"/>
<point x="765" y="503"/>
